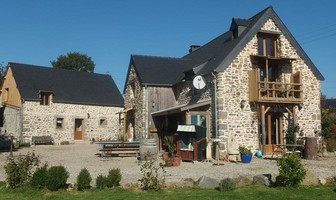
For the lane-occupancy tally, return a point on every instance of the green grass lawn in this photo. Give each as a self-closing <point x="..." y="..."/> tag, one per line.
<point x="250" y="192"/>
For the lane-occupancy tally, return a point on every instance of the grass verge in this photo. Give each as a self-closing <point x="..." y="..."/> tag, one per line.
<point x="250" y="192"/>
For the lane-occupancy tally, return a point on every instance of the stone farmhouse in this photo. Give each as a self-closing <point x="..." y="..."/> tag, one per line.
<point x="67" y="105"/>
<point x="243" y="86"/>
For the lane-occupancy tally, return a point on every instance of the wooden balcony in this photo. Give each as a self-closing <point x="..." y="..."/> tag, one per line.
<point x="274" y="92"/>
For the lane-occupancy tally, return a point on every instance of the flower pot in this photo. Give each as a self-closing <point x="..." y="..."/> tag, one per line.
<point x="176" y="160"/>
<point x="169" y="162"/>
<point x="165" y="156"/>
<point x="246" y="157"/>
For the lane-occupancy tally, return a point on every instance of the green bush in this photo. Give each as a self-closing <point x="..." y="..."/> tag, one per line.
<point x="151" y="174"/>
<point x="19" y="169"/>
<point x="227" y="184"/>
<point x="101" y="182"/>
<point x="39" y="178"/>
<point x="57" y="177"/>
<point x="291" y="171"/>
<point x="83" y="180"/>
<point x="113" y="178"/>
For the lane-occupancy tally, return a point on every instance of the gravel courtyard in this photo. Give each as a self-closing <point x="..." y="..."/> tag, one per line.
<point x="77" y="156"/>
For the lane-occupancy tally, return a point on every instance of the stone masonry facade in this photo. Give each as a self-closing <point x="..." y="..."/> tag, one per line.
<point x="98" y="122"/>
<point x="239" y="126"/>
<point x="135" y="98"/>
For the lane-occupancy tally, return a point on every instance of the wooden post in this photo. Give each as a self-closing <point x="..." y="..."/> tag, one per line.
<point x="125" y="123"/>
<point x="294" y="121"/>
<point x="263" y="129"/>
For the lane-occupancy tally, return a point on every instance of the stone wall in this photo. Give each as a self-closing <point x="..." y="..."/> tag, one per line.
<point x="239" y="126"/>
<point x="134" y="98"/>
<point x="39" y="120"/>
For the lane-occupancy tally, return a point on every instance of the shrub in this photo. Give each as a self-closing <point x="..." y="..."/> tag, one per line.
<point x="113" y="178"/>
<point x="151" y="179"/>
<point x="291" y="171"/>
<point x="19" y="169"/>
<point x="227" y="184"/>
<point x="57" y="177"/>
<point x="39" y="178"/>
<point x="101" y="182"/>
<point x="83" y="180"/>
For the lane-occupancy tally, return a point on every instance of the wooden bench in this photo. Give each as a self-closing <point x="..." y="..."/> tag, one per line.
<point x="119" y="148"/>
<point x="42" y="140"/>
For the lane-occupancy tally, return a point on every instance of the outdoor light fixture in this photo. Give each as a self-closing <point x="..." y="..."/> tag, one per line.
<point x="300" y="106"/>
<point x="242" y="104"/>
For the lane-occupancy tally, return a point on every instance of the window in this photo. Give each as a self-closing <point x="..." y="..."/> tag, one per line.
<point x="59" y="123"/>
<point x="267" y="44"/>
<point x="102" y="122"/>
<point x="45" y="98"/>
<point x="6" y="94"/>
<point x="132" y="91"/>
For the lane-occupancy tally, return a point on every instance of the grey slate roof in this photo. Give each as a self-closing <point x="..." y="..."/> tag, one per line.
<point x="68" y="86"/>
<point x="160" y="71"/>
<point x="217" y="54"/>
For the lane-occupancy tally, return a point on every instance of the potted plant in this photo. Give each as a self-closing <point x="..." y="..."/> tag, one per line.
<point x="169" y="142"/>
<point x="174" y="159"/>
<point x="245" y="154"/>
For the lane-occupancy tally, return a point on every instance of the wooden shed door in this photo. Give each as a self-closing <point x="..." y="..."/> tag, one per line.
<point x="78" y="129"/>
<point x="274" y="131"/>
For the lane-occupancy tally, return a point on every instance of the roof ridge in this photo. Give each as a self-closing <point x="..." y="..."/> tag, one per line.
<point x="151" y="56"/>
<point x="237" y="18"/>
<point x="17" y="63"/>
<point x="52" y="68"/>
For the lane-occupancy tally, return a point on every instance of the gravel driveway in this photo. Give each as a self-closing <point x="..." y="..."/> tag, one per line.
<point x="77" y="156"/>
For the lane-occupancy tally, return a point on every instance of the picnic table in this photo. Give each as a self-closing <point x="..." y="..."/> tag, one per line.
<point x="109" y="148"/>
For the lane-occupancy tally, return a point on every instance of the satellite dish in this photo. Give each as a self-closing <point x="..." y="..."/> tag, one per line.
<point x="199" y="82"/>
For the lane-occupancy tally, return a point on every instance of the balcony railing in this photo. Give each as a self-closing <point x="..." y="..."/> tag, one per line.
<point x="274" y="92"/>
<point x="280" y="92"/>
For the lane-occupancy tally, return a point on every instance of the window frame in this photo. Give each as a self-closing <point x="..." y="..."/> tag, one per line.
<point x="269" y="43"/>
<point x="61" y="124"/>
<point x="45" y="98"/>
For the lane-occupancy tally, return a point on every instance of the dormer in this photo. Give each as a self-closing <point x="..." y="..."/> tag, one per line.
<point x="238" y="26"/>
<point x="45" y="97"/>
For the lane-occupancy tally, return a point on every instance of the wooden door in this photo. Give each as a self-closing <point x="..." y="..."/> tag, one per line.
<point x="274" y="131"/>
<point x="78" y="135"/>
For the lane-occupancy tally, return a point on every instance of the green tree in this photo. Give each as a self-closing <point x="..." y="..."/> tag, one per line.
<point x="328" y="121"/>
<point x="74" y="61"/>
<point x="2" y="71"/>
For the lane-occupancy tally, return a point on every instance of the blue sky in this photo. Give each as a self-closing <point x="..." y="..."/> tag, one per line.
<point x="38" y="31"/>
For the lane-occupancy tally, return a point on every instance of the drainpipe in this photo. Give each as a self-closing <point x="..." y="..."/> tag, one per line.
<point x="215" y="114"/>
<point x="216" y="140"/>
<point x="146" y="111"/>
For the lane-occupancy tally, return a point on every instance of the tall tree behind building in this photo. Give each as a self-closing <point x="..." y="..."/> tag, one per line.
<point x="74" y="61"/>
<point x="2" y="71"/>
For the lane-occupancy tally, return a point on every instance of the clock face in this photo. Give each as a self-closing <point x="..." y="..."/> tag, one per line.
<point x="199" y="82"/>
